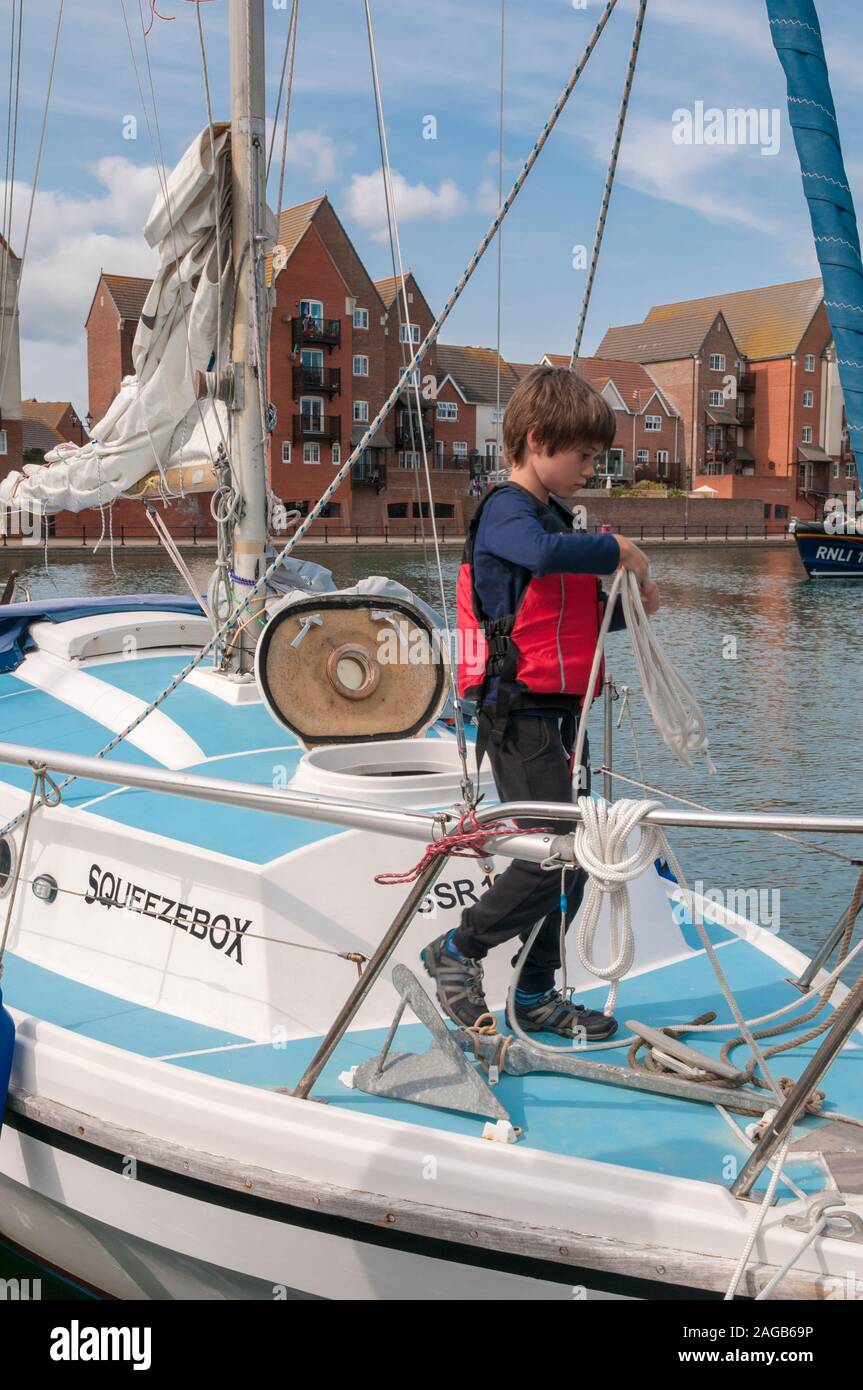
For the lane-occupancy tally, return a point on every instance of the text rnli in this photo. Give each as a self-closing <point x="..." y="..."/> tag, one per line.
<point x="223" y="933"/>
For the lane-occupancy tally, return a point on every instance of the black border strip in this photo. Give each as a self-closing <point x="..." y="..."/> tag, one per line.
<point x="347" y="1228"/>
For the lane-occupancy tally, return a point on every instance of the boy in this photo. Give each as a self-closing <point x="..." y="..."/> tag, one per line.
<point x="528" y="587"/>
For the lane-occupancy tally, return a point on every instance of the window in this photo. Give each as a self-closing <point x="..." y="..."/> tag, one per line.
<point x="766" y="511"/>
<point x="444" y="510"/>
<point x="409" y="458"/>
<point x="361" y="318"/>
<point x="497" y="415"/>
<point x="286" y="451"/>
<point x="361" y="365"/>
<point x="397" y="511"/>
<point x="808" y="398"/>
<point x="653" y="422"/>
<point x="361" y="412"/>
<point x="312" y="411"/>
<point x="715" y="398"/>
<point x="311" y="453"/>
<point x="610" y="464"/>
<point x="409" y="333"/>
<point x="312" y="362"/>
<point x="311" y="309"/>
<point x="835" y="468"/>
<point x="780" y="512"/>
<point x="717" y="362"/>
<point x="337" y="456"/>
<point x="4" y="442"/>
<point x="662" y="462"/>
<point x="809" y="362"/>
<point x="850" y="469"/>
<point x="807" y="434"/>
<point x="447" y="410"/>
<point x="642" y="456"/>
<point x="331" y="511"/>
<point x="459" y="448"/>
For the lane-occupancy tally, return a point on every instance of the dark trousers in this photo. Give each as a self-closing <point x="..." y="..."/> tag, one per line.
<point x="530" y="764"/>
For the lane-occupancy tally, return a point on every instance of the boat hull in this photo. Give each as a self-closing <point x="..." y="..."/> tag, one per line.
<point x="826" y="556"/>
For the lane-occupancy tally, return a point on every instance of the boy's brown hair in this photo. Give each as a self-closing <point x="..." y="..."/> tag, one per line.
<point x="561" y="408"/>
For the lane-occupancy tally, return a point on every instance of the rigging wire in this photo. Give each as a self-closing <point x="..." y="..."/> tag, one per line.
<point x="290" y="46"/>
<point x="609" y="181"/>
<point x="4" y="365"/>
<point x="11" y="153"/>
<point x="467" y="784"/>
<point x="402" y="314"/>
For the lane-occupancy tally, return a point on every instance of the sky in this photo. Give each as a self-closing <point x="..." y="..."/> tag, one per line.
<point x="686" y="219"/>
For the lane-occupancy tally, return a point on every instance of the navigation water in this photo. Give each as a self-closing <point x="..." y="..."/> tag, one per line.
<point x="775" y="659"/>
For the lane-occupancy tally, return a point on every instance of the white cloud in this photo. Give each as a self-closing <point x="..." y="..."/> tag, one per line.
<point x="71" y="241"/>
<point x="708" y="179"/>
<point x="487" y="199"/>
<point x="366" y="204"/>
<point x="309" y="152"/>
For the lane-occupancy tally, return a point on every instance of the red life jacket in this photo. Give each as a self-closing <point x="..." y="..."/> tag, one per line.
<point x="545" y="648"/>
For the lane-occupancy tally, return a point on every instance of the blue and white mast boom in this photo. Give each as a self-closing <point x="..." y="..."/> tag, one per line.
<point x="796" y="35"/>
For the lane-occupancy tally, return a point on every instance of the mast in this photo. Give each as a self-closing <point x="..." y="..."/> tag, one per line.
<point x="248" y="187"/>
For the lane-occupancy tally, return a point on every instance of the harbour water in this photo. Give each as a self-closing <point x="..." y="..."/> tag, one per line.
<point x="776" y="661"/>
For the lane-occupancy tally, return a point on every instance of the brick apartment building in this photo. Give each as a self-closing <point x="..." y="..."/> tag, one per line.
<point x="480" y="382"/>
<point x="110" y="326"/>
<point x="648" y="442"/>
<point x="778" y="437"/>
<point x="11" y="444"/>
<point x="699" y="367"/>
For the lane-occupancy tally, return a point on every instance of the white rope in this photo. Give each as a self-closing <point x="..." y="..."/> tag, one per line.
<point x="759" y="1220"/>
<point x="672" y="703"/>
<point x="601" y="848"/>
<point x="609" y="182"/>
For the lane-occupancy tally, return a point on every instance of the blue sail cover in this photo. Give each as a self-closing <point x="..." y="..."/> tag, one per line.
<point x="796" y="37"/>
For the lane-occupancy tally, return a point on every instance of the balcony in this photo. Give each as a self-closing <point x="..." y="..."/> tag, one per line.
<point x="368" y="470"/>
<point x="410" y="439"/>
<point x="746" y="382"/>
<point x="746" y="416"/>
<point x="325" y="379"/>
<point x="316" y="426"/>
<point x="320" y="332"/>
<point x="448" y="461"/>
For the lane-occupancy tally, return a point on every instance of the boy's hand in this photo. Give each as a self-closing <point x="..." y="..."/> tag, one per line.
<point x="631" y="558"/>
<point x="650" y="597"/>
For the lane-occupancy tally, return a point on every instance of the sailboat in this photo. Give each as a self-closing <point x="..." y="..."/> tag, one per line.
<point x="229" y="827"/>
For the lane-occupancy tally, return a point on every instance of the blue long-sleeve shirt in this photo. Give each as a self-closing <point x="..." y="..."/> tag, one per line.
<point x="519" y="538"/>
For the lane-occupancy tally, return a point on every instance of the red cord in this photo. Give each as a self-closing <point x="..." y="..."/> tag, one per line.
<point x="467" y="841"/>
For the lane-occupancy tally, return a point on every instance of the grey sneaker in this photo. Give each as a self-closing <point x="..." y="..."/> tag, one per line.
<point x="458" y="982"/>
<point x="555" y="1014"/>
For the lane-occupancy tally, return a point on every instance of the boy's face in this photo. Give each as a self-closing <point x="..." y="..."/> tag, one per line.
<point x="564" y="472"/>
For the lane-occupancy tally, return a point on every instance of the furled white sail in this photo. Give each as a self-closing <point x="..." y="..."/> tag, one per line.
<point x="155" y="421"/>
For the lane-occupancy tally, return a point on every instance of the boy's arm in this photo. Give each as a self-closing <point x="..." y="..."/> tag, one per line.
<point x="512" y="531"/>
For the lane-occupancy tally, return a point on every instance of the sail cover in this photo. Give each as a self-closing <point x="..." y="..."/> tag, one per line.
<point x="796" y="37"/>
<point x="155" y="421"/>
